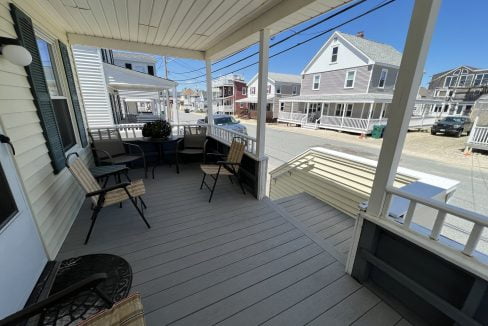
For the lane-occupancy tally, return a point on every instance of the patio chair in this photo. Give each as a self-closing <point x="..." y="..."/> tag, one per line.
<point x="103" y="197"/>
<point x="227" y="166"/>
<point x="110" y="149"/>
<point x="194" y="142"/>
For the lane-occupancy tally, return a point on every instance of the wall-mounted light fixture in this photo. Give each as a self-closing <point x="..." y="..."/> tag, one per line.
<point x="13" y="52"/>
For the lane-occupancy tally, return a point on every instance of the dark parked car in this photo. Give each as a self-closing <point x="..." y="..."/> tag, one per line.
<point x="453" y="126"/>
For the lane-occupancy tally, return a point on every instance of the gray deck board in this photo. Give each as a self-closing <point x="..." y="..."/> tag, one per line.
<point x="330" y="224"/>
<point x="235" y="261"/>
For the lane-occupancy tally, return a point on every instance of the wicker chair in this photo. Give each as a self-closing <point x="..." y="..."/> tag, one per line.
<point x="194" y="142"/>
<point x="110" y="149"/>
<point x="103" y="197"/>
<point x="228" y="166"/>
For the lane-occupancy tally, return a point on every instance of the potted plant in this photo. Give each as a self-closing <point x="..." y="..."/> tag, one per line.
<point x="157" y="129"/>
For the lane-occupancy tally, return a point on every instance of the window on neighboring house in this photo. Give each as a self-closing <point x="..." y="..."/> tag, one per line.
<point x="278" y="89"/>
<point x="349" y="110"/>
<point x="339" y="109"/>
<point x="462" y="81"/>
<point x="241" y="105"/>
<point x="350" y="77"/>
<point x="150" y="70"/>
<point x="128" y="65"/>
<point x="316" y="82"/>
<point x="59" y="102"/>
<point x="335" y="52"/>
<point x="469" y="80"/>
<point x="383" y="75"/>
<point x="244" y="89"/>
<point x="253" y="90"/>
<point x="481" y="79"/>
<point x="294" y="90"/>
<point x="456" y="72"/>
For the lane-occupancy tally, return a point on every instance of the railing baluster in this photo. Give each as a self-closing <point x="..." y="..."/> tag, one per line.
<point x="409" y="216"/>
<point x="473" y="239"/>
<point x="438" y="224"/>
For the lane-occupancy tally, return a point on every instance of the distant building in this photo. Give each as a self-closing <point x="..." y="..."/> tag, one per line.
<point x="458" y="89"/>
<point x="278" y="85"/>
<point x="226" y="91"/>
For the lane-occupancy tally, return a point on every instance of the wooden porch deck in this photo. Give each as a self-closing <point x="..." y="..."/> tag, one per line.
<point x="235" y="261"/>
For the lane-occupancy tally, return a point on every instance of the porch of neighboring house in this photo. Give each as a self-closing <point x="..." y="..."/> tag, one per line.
<point x="352" y="113"/>
<point x="252" y="108"/>
<point x="235" y="261"/>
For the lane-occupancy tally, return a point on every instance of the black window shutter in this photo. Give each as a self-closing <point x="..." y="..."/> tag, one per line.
<point x="74" y="95"/>
<point x="38" y="86"/>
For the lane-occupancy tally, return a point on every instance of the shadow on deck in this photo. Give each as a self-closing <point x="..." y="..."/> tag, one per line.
<point x="235" y="261"/>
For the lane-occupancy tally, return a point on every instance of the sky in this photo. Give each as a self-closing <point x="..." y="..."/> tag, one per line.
<point x="459" y="39"/>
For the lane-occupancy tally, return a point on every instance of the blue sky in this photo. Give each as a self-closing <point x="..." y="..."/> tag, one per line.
<point x="459" y="39"/>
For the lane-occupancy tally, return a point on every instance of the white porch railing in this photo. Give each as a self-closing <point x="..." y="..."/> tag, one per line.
<point x="478" y="137"/>
<point x="293" y="117"/>
<point x="479" y="221"/>
<point x="223" y="108"/>
<point x="226" y="136"/>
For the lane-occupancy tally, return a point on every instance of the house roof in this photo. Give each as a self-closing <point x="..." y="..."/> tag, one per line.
<point x="279" y="77"/>
<point x="378" y="52"/>
<point x="134" y="56"/>
<point x="127" y="79"/>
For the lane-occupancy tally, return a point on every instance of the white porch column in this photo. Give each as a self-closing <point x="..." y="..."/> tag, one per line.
<point x="411" y="70"/>
<point x="370" y="112"/>
<point x="262" y="90"/>
<point x="176" y="115"/>
<point x="261" y="108"/>
<point x="208" y="71"/>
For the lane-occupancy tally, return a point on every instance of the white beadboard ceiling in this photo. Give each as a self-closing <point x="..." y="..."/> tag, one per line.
<point x="185" y="28"/>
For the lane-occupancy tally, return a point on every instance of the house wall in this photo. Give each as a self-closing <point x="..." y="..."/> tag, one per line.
<point x="390" y="79"/>
<point x="89" y="67"/>
<point x="136" y="65"/>
<point x="332" y="82"/>
<point x="55" y="199"/>
<point x="347" y="57"/>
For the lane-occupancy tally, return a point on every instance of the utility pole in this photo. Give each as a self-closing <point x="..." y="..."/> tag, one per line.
<point x="168" y="111"/>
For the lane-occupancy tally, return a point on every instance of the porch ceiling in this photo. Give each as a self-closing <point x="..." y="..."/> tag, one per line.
<point x="187" y="28"/>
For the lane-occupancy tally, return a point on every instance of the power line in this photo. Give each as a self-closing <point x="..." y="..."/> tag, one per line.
<point x="279" y="42"/>
<point x="379" y="6"/>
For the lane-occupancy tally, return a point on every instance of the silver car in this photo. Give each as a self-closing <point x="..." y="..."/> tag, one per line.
<point x="227" y="122"/>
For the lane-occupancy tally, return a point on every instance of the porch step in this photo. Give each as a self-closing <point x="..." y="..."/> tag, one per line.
<point x="319" y="220"/>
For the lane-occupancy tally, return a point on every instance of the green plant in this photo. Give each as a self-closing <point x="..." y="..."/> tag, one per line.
<point x="157" y="129"/>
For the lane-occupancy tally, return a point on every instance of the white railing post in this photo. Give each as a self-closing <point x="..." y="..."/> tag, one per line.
<point x="474" y="238"/>
<point x="208" y="76"/>
<point x="419" y="35"/>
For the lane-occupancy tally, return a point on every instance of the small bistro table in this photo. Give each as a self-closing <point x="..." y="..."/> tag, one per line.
<point x="103" y="172"/>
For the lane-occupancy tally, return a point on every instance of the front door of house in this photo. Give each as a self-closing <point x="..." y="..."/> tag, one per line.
<point x="22" y="255"/>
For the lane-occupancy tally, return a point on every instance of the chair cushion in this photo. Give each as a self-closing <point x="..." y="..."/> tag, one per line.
<point x="136" y="189"/>
<point x="191" y="151"/>
<point x="127" y="312"/>
<point x="213" y="169"/>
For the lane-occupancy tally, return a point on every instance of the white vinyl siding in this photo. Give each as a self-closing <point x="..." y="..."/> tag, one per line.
<point x="55" y="199"/>
<point x="89" y="68"/>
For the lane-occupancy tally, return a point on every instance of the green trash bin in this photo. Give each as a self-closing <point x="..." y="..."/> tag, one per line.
<point x="377" y="131"/>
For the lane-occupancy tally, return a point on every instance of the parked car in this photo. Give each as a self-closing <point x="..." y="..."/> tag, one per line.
<point x="452" y="125"/>
<point x="227" y="122"/>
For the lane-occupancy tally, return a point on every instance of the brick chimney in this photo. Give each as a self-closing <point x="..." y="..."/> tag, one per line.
<point x="360" y="34"/>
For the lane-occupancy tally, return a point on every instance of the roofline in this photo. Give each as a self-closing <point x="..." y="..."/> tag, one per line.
<point x="321" y="50"/>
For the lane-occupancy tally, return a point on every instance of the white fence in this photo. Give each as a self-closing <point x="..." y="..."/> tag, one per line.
<point x="226" y="136"/>
<point x="290" y="117"/>
<point x="353" y="124"/>
<point x="478" y="137"/>
<point x="134" y="130"/>
<point x="479" y="221"/>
